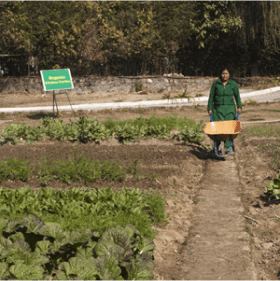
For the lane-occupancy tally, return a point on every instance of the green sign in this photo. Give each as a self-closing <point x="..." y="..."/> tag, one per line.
<point x="57" y="79"/>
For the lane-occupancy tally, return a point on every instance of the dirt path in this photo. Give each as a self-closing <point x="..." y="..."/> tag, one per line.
<point x="218" y="246"/>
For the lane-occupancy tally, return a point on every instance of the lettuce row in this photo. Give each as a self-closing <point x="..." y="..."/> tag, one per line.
<point x="31" y="249"/>
<point x="80" y="208"/>
<point x="87" y="130"/>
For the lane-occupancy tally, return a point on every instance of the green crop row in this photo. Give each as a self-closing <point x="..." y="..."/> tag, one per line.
<point x="77" y="234"/>
<point x="78" y="169"/>
<point x="87" y="130"/>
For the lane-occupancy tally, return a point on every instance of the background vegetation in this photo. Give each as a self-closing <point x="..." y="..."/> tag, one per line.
<point x="141" y="37"/>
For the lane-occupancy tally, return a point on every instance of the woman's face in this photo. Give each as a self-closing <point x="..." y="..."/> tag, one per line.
<point x="225" y="75"/>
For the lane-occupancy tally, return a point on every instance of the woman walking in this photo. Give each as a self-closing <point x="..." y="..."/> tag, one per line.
<point x="221" y="103"/>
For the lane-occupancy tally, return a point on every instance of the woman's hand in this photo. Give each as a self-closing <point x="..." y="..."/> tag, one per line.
<point x="210" y="112"/>
<point x="239" y="109"/>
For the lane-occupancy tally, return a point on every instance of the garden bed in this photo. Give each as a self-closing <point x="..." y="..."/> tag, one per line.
<point x="173" y="170"/>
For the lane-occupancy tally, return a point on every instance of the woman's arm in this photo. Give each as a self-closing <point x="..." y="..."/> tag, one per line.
<point x="237" y="97"/>
<point x="211" y="98"/>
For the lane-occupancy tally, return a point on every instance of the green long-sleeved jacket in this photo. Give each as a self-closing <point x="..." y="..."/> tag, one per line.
<point x="221" y="102"/>
<point x="224" y="95"/>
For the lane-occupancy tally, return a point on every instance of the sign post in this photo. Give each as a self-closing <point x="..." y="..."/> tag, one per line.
<point x="57" y="79"/>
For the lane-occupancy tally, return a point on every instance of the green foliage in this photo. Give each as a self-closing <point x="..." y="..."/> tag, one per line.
<point x="79" y="209"/>
<point x="14" y="169"/>
<point x="156" y="207"/>
<point x="263" y="131"/>
<point x="167" y="96"/>
<point x="138" y="87"/>
<point x="79" y="169"/>
<point x="249" y="102"/>
<point x="134" y="167"/>
<point x="14" y="132"/>
<point x="216" y="18"/>
<point x="129" y="132"/>
<point x="80" y="233"/>
<point x="193" y="135"/>
<point x="273" y="188"/>
<point x="128" y="38"/>
<point x="86" y="130"/>
<point x="62" y="246"/>
<point x="62" y="254"/>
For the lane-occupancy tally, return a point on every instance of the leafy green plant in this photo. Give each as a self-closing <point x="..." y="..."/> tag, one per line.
<point x="12" y="133"/>
<point x="207" y="146"/>
<point x="273" y="188"/>
<point x="79" y="169"/>
<point x="191" y="134"/>
<point x="134" y="168"/>
<point x="32" y="248"/>
<point x="14" y="169"/>
<point x="119" y="253"/>
<point x="151" y="176"/>
<point x="138" y="87"/>
<point x="130" y="132"/>
<point x="158" y="131"/>
<point x="195" y="105"/>
<point x="167" y="96"/>
<point x="86" y="130"/>
<point x="77" y="209"/>
<point x="55" y="130"/>
<point x="184" y="95"/>
<point x="249" y="102"/>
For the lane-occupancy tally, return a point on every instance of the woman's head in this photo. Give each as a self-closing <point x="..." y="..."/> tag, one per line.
<point x="224" y="74"/>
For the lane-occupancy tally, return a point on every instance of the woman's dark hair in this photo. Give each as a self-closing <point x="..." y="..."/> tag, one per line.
<point x="223" y="69"/>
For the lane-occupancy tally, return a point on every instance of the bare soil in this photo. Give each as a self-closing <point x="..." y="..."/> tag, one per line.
<point x="180" y="172"/>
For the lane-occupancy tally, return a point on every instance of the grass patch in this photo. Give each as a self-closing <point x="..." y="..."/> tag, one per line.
<point x="273" y="110"/>
<point x="256" y="119"/>
<point x="275" y="159"/>
<point x="263" y="131"/>
<point x="138" y="87"/>
<point x="249" y="102"/>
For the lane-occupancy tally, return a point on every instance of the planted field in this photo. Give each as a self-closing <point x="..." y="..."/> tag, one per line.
<point x="115" y="198"/>
<point x="71" y="208"/>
